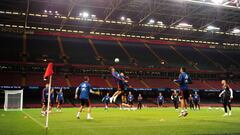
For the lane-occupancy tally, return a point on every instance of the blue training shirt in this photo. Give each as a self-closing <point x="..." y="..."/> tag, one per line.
<point x="183" y="81"/>
<point x="84" y="88"/>
<point x="160" y="99"/>
<point x="60" y="96"/>
<point x="196" y="97"/>
<point x="130" y="98"/>
<point x="106" y="99"/>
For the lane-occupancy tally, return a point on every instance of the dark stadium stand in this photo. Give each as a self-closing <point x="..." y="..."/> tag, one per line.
<point x="169" y="55"/>
<point x="40" y="47"/>
<point x="11" y="46"/>
<point x="196" y="58"/>
<point x="79" y="51"/>
<point x="111" y="50"/>
<point x="141" y="54"/>
<point x="218" y="57"/>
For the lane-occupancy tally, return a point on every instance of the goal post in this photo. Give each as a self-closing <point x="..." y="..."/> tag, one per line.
<point x="13" y="100"/>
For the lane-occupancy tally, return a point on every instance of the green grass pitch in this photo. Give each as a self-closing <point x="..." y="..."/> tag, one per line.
<point x="149" y="121"/>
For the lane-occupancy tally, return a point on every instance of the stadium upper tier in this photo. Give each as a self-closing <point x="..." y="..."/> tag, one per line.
<point x="101" y="51"/>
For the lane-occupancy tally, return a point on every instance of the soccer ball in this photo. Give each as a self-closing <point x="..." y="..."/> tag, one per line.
<point x="116" y="60"/>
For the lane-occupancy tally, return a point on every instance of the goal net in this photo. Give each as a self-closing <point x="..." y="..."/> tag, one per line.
<point x="13" y="100"/>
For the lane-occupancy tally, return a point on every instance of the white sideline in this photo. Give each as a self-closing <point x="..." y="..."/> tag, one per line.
<point x="33" y="119"/>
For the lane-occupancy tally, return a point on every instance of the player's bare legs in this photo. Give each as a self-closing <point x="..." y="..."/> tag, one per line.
<point x="80" y="110"/>
<point x="115" y="95"/>
<point x="43" y="109"/>
<point x="184" y="107"/>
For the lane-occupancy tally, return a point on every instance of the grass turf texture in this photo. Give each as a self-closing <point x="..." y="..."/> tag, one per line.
<point x="149" y="121"/>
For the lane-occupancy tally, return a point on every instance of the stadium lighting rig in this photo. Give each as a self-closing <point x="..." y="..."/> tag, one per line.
<point x="122" y="18"/>
<point x="151" y="21"/>
<point x="218" y="2"/>
<point x="212" y="28"/>
<point x="184" y="25"/>
<point x="236" y="31"/>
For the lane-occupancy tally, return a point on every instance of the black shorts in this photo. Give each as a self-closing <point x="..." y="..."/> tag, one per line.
<point x="196" y="101"/>
<point x="120" y="87"/>
<point x="130" y="102"/>
<point x="44" y="103"/>
<point x="226" y="100"/>
<point x="184" y="94"/>
<point x="60" y="102"/>
<point x="160" y="102"/>
<point x="85" y="102"/>
<point x="51" y="102"/>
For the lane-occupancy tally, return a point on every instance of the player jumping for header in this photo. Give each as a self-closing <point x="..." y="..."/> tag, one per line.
<point x="183" y="81"/>
<point x="122" y="84"/>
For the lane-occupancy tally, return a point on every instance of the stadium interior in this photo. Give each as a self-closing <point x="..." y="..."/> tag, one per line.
<point x="152" y="39"/>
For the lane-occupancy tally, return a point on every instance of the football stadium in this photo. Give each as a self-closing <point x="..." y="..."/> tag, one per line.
<point x="119" y="67"/>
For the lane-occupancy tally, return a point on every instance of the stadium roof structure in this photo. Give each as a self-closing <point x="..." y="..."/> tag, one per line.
<point x="214" y="21"/>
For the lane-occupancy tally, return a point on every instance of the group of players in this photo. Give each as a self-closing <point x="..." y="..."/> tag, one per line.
<point x="84" y="89"/>
<point x="59" y="100"/>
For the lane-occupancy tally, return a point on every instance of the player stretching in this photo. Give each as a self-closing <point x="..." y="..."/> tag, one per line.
<point x="130" y="99"/>
<point x="140" y="98"/>
<point x="196" y="100"/>
<point x="183" y="82"/>
<point x="59" y="100"/>
<point x="160" y="100"/>
<point x="44" y="99"/>
<point x="227" y="96"/>
<point x="121" y="84"/>
<point x="85" y="90"/>
<point x="105" y="100"/>
<point x="175" y="99"/>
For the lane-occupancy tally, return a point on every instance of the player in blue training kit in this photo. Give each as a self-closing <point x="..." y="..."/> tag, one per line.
<point x="85" y="90"/>
<point x="59" y="100"/>
<point x="121" y="81"/>
<point x="44" y="99"/>
<point x="51" y="100"/>
<point x="183" y="81"/>
<point x="196" y="101"/>
<point x="130" y="99"/>
<point x="160" y="100"/>
<point x="106" y="100"/>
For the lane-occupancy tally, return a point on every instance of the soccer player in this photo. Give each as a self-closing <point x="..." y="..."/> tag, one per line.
<point x="160" y="99"/>
<point x="121" y="84"/>
<point x="51" y="100"/>
<point x="105" y="100"/>
<point x="196" y="100"/>
<point x="190" y="100"/>
<point x="85" y="90"/>
<point x="183" y="81"/>
<point x="44" y="99"/>
<point x="227" y="96"/>
<point x="59" y="100"/>
<point x="130" y="99"/>
<point x="124" y="101"/>
<point x="140" y="98"/>
<point x="175" y="99"/>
